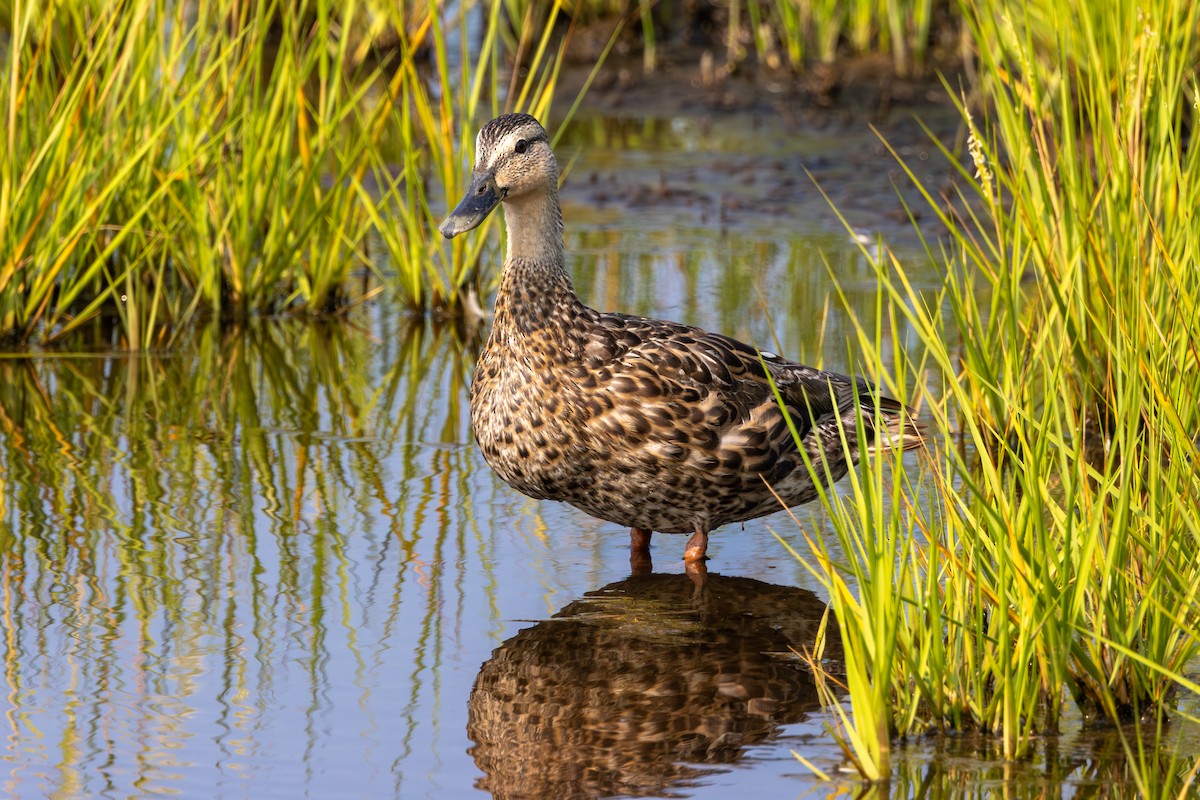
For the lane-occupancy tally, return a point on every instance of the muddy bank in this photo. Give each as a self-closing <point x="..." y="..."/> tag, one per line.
<point x="767" y="133"/>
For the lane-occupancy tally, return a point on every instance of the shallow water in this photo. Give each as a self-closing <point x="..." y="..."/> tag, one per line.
<point x="273" y="564"/>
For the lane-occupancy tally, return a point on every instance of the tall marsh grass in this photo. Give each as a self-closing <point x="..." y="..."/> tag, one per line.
<point x="791" y="34"/>
<point x="1050" y="548"/>
<point x="822" y="30"/>
<point x="178" y="160"/>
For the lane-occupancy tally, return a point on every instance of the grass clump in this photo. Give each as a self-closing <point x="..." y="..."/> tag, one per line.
<point x="223" y="160"/>
<point x="158" y="165"/>
<point x="780" y="34"/>
<point x="791" y="33"/>
<point x="1051" y="547"/>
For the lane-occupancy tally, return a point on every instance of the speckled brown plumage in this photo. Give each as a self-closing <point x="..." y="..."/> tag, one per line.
<point x="649" y="424"/>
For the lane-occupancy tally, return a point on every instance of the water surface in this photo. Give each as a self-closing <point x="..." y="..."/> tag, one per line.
<point x="272" y="563"/>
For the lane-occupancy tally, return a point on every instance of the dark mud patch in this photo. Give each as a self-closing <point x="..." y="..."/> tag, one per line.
<point x="752" y="149"/>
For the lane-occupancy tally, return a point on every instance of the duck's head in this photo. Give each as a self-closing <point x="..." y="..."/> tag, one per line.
<point x="512" y="159"/>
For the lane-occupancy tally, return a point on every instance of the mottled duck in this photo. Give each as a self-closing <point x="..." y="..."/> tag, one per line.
<point x="652" y="425"/>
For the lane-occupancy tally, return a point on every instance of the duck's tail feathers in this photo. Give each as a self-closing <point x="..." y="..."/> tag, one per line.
<point x="901" y="429"/>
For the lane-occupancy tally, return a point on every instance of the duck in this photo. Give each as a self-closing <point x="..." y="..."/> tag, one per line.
<point x="652" y="425"/>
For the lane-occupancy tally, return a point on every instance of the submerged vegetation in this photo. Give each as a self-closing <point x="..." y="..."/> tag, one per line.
<point x="1051" y="547"/>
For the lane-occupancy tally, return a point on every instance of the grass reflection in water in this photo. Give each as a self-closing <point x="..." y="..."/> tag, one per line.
<point x="236" y="539"/>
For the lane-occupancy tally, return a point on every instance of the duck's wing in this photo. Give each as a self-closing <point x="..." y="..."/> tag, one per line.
<point x="689" y="382"/>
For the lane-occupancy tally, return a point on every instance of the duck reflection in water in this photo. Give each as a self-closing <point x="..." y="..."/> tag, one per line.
<point x="633" y="688"/>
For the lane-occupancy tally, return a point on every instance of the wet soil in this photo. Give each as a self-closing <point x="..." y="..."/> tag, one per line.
<point x="778" y="141"/>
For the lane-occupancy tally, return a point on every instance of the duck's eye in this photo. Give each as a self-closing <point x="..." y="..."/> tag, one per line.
<point x="522" y="146"/>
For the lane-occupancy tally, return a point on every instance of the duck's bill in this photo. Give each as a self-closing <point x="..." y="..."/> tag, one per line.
<point x="480" y="200"/>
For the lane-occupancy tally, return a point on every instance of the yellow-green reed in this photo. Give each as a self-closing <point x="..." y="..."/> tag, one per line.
<point x="221" y="160"/>
<point x="1092" y="204"/>
<point x="882" y="545"/>
<point x="783" y="33"/>
<point x="962" y="770"/>
<point x="162" y="165"/>
<point x="805" y="31"/>
<point x="1050" y="548"/>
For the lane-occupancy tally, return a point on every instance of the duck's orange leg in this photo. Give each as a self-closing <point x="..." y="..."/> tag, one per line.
<point x="639" y="550"/>
<point x="696" y="547"/>
<point x="639" y="540"/>
<point x="693" y="559"/>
